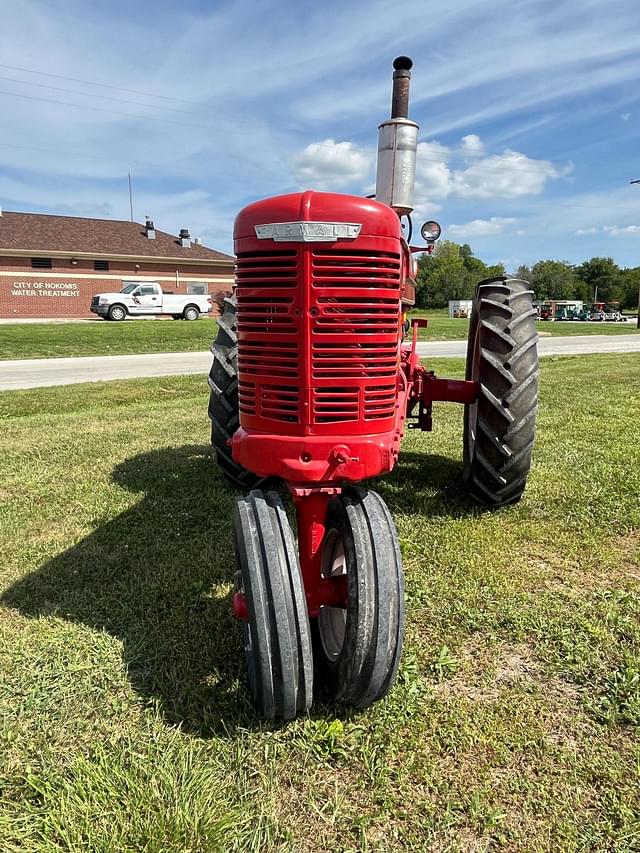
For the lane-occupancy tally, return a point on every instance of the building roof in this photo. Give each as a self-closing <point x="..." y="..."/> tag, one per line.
<point x="45" y="234"/>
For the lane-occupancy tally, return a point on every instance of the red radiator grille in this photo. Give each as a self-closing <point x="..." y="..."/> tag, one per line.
<point x="379" y="401"/>
<point x="351" y="268"/>
<point x="333" y="405"/>
<point x="277" y="402"/>
<point x="268" y="358"/>
<point x="280" y="403"/>
<point x="268" y="352"/>
<point x="352" y="327"/>
<point x="277" y="269"/>
<point x="354" y="361"/>
<point x="354" y="314"/>
<point x="358" y="297"/>
<point x="247" y="397"/>
<point x="265" y="314"/>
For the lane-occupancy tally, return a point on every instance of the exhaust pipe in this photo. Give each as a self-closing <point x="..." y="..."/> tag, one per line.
<point x="397" y="145"/>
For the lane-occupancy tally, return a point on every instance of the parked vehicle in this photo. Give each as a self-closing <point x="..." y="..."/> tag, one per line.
<point x="612" y="313"/>
<point x="138" y="299"/>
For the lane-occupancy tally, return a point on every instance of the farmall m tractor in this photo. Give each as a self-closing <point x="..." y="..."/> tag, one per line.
<point x="312" y="385"/>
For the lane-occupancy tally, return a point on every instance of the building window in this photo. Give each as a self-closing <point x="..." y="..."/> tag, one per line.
<point x="103" y="266"/>
<point x="196" y="288"/>
<point x="40" y="263"/>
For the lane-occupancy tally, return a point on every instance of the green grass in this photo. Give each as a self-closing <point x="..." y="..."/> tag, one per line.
<point x="100" y="337"/>
<point x="51" y="340"/>
<point x="443" y="328"/>
<point x="124" y="719"/>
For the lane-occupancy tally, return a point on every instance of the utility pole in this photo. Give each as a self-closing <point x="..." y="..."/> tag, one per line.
<point x="130" y="198"/>
<point x="638" y="317"/>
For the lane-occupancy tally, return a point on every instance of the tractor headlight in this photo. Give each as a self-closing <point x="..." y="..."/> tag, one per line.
<point x="430" y="231"/>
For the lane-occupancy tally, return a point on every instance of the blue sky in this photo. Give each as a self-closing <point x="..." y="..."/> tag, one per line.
<point x="529" y="113"/>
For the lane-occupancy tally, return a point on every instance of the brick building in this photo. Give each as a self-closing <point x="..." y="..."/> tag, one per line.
<point x="51" y="266"/>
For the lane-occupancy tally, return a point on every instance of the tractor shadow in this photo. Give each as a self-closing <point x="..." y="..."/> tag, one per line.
<point x="428" y="485"/>
<point x="157" y="578"/>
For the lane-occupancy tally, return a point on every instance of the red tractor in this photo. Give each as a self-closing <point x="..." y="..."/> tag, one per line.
<point x="312" y="385"/>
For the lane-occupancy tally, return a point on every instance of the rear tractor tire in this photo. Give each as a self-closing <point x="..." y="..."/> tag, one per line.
<point x="223" y="401"/>
<point x="499" y="428"/>
<point x="277" y="639"/>
<point x="357" y="651"/>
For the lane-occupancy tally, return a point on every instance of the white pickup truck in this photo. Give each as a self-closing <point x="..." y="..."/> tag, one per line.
<point x="144" y="298"/>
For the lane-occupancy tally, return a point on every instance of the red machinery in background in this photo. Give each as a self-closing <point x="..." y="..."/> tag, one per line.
<point x="311" y="384"/>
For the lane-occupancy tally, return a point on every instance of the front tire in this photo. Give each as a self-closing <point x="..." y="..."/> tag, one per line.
<point x="357" y="650"/>
<point x="277" y="637"/>
<point x="502" y="356"/>
<point x="117" y="313"/>
<point x="223" y="400"/>
<point x="191" y="312"/>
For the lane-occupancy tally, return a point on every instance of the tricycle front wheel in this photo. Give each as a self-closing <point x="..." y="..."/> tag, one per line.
<point x="357" y="649"/>
<point x="277" y="638"/>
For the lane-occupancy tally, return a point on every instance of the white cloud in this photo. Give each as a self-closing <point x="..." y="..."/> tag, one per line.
<point x="433" y="177"/>
<point x="481" y="227"/>
<point x="622" y="230"/>
<point x="472" y="145"/>
<point x="611" y="230"/>
<point x="625" y="116"/>
<point x="332" y="165"/>
<point x="505" y="175"/>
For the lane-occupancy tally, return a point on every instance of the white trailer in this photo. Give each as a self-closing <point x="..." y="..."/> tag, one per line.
<point x="460" y="307"/>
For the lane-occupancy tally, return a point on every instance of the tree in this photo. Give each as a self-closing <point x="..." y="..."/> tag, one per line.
<point x="631" y="288"/>
<point x="441" y="276"/>
<point x="451" y="272"/>
<point x="524" y="272"/>
<point x="553" y="280"/>
<point x="606" y="275"/>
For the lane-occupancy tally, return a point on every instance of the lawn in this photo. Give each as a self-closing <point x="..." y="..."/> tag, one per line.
<point x="50" y="340"/>
<point x="124" y="720"/>
<point x="443" y="328"/>
<point x="100" y="337"/>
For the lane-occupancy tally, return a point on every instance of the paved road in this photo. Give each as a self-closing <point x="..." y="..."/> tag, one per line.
<point x="34" y="373"/>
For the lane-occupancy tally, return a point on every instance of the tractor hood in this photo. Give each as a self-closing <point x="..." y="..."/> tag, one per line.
<point x="331" y="217"/>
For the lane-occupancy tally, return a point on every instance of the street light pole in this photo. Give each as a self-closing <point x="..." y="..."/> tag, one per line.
<point x="638" y="317"/>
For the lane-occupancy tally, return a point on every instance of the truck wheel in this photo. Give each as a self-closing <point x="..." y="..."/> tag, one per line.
<point x="277" y="638"/>
<point x="117" y="312"/>
<point x="223" y="400"/>
<point x="499" y="428"/>
<point x="357" y="650"/>
<point x="191" y="312"/>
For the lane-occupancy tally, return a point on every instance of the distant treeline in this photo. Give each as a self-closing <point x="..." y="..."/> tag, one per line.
<point x="453" y="271"/>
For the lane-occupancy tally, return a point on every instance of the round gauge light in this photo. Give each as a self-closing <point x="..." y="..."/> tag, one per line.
<point x="430" y="231"/>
